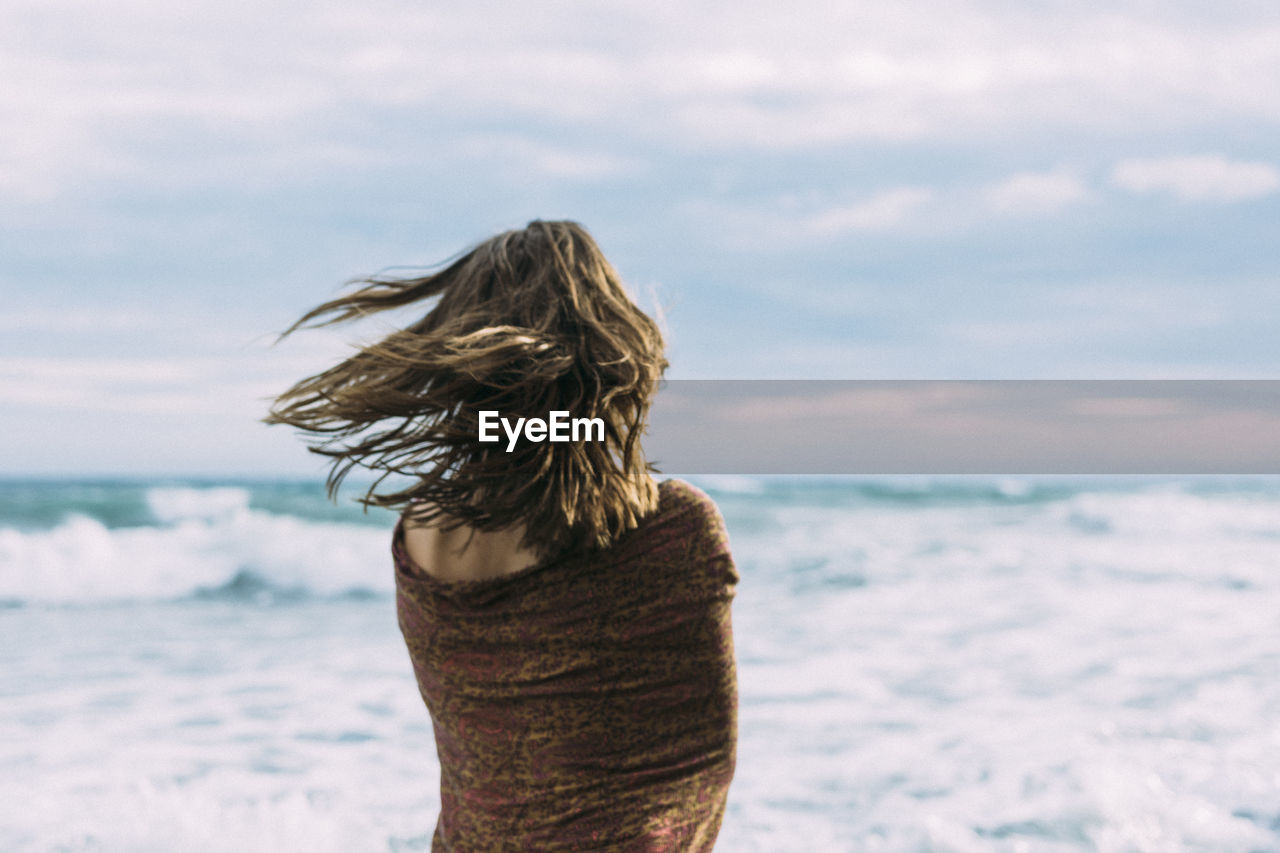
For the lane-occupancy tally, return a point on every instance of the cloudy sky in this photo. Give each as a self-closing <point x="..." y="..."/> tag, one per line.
<point x="942" y="190"/>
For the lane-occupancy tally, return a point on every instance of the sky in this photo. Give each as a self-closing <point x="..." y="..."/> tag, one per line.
<point x="850" y="190"/>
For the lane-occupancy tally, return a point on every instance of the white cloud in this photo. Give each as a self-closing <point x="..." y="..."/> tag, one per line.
<point x="1035" y="193"/>
<point x="881" y="211"/>
<point x="736" y="71"/>
<point x="239" y="384"/>
<point x="540" y="158"/>
<point x="1093" y="313"/>
<point x="801" y="219"/>
<point x="1200" y="178"/>
<point x="90" y="85"/>
<point x="91" y="384"/>
<point x="77" y="320"/>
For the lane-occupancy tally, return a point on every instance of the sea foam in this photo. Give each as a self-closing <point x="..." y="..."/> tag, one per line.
<point x="204" y="541"/>
<point x="929" y="665"/>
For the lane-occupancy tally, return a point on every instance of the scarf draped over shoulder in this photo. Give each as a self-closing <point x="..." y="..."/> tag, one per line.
<point x="587" y="702"/>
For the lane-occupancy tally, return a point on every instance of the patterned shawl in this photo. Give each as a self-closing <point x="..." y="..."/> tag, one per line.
<point x="584" y="703"/>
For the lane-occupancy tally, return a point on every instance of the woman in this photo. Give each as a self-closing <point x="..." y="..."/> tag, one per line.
<point x="567" y="616"/>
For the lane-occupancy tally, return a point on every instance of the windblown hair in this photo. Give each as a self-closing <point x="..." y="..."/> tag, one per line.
<point x="528" y="322"/>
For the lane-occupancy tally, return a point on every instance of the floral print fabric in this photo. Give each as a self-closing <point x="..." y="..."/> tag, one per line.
<point x="587" y="703"/>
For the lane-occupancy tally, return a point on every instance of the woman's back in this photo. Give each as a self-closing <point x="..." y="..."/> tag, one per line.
<point x="585" y="703"/>
<point x="463" y="554"/>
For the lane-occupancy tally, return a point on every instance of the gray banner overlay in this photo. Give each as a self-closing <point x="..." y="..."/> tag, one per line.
<point x="966" y="427"/>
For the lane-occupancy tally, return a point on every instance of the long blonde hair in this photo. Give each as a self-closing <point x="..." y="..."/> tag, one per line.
<point x="528" y="322"/>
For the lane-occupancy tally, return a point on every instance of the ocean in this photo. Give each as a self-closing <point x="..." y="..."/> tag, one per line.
<point x="925" y="664"/>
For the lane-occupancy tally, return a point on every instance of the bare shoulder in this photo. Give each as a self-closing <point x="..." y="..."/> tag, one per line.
<point x="420" y="541"/>
<point x="463" y="553"/>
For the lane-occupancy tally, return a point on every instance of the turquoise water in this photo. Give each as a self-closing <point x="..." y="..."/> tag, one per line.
<point x="944" y="664"/>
